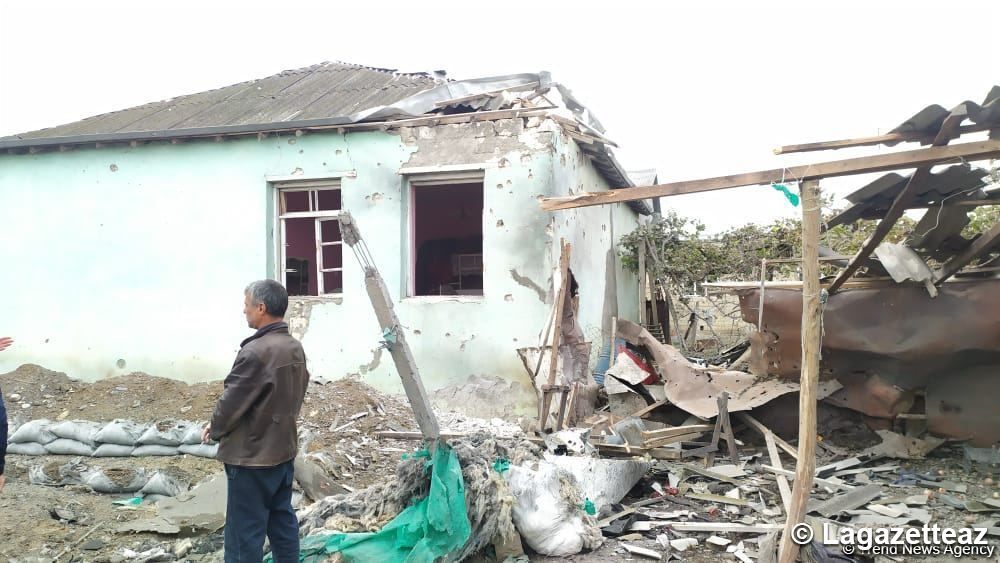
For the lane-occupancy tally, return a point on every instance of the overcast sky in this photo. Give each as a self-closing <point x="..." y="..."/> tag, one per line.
<point x="693" y="89"/>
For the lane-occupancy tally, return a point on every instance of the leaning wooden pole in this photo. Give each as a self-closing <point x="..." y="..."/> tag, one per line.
<point x="560" y="296"/>
<point x="805" y="466"/>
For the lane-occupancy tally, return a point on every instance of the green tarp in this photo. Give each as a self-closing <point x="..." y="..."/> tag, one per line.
<point x="429" y="530"/>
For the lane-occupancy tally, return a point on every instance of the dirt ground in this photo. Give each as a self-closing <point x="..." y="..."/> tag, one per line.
<point x="342" y="418"/>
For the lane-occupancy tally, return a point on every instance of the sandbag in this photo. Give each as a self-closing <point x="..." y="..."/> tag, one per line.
<point x="167" y="483"/>
<point x="65" y="446"/>
<point x="113" y="450"/>
<point x="200" y="450"/>
<point x="548" y="511"/>
<point x="79" y="430"/>
<point x="26" y="448"/>
<point x="116" y="480"/>
<point x="33" y="431"/>
<point x="55" y="474"/>
<point x="154" y="450"/>
<point x="120" y="431"/>
<point x="165" y="433"/>
<point x="193" y="436"/>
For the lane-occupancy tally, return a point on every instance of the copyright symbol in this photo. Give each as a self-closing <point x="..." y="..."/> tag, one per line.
<point x="847" y="548"/>
<point x="802" y="533"/>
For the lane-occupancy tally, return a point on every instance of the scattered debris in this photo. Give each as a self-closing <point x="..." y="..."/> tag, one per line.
<point x="636" y="550"/>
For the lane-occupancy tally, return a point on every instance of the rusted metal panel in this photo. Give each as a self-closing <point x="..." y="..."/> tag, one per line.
<point x="896" y="332"/>
<point x="884" y="343"/>
<point x="963" y="405"/>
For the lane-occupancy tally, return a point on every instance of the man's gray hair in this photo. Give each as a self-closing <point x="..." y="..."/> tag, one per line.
<point x="271" y="293"/>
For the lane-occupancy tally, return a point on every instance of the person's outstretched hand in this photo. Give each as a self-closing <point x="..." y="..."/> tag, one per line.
<point x="5" y="341"/>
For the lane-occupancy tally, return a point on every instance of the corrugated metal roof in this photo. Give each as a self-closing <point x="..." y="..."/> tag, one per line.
<point x="957" y="183"/>
<point x="318" y="96"/>
<point x="938" y="233"/>
<point x="930" y="119"/>
<point x="319" y="91"/>
<point x="645" y="177"/>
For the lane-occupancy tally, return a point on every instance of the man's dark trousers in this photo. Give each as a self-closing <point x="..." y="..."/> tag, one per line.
<point x="260" y="502"/>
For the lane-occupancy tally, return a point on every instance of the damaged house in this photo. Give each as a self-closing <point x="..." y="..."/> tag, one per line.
<point x="133" y="233"/>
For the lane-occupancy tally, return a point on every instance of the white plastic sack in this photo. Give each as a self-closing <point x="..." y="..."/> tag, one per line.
<point x="116" y="480"/>
<point x="64" y="446"/>
<point x="166" y="483"/>
<point x="165" y="433"/>
<point x="55" y="474"/>
<point x="153" y="450"/>
<point x="78" y="430"/>
<point x="122" y="432"/>
<point x="33" y="431"/>
<point x="548" y="511"/>
<point x="26" y="448"/>
<point x="193" y="436"/>
<point x="200" y="450"/>
<point x="113" y="450"/>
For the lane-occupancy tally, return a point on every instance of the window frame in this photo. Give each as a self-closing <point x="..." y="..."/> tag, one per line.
<point x="429" y="178"/>
<point x="317" y="269"/>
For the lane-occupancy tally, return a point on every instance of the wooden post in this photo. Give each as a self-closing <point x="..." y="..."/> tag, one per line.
<point x="805" y="465"/>
<point x="760" y="302"/>
<point x="642" y="285"/>
<point x="557" y="319"/>
<point x="978" y="247"/>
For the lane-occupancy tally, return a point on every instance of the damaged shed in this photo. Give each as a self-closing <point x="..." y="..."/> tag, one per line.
<point x="907" y="329"/>
<point x="155" y="218"/>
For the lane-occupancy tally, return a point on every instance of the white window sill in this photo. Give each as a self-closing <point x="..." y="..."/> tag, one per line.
<point x="335" y="298"/>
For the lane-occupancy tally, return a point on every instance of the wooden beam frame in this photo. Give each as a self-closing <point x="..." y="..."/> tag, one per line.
<point x="896" y="210"/>
<point x="969" y="152"/>
<point x="903" y="137"/>
<point x="805" y="465"/>
<point x="564" y="254"/>
<point x="980" y="246"/>
<point x="920" y="176"/>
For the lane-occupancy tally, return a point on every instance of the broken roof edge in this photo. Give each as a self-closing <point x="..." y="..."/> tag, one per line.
<point x="608" y="166"/>
<point x="424" y="102"/>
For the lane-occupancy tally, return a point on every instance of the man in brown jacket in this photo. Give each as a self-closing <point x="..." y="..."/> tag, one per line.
<point x="254" y="423"/>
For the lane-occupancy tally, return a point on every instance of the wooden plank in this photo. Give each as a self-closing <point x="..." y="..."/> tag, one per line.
<point x="783" y="488"/>
<point x="556" y="332"/>
<point x="980" y="246"/>
<point x="899" y="205"/>
<point x="659" y="442"/>
<point x="970" y="152"/>
<point x="805" y="466"/>
<point x="542" y="344"/>
<point x="764" y="430"/>
<point x="677" y="431"/>
<point x="655" y="453"/>
<point x="909" y="136"/>
<point x="648" y="408"/>
<point x="896" y="210"/>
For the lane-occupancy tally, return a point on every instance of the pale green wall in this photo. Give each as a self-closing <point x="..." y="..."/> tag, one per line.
<point x="606" y="290"/>
<point x="141" y="254"/>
